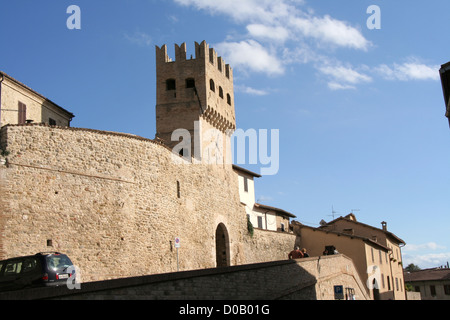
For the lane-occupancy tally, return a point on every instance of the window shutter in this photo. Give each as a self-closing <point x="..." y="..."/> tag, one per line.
<point x="22" y="113"/>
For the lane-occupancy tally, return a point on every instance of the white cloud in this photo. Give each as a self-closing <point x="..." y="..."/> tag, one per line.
<point x="339" y="86"/>
<point x="331" y="31"/>
<point x="139" y="38"/>
<point x="412" y="70"/>
<point x="343" y="77"/>
<point x="421" y="247"/>
<point x="272" y="16"/>
<point x="250" y="55"/>
<point x="427" y="260"/>
<point x="251" y="91"/>
<point x="423" y="256"/>
<point x="261" y="31"/>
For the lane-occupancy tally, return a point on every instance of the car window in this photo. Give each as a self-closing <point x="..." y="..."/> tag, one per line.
<point x="13" y="267"/>
<point x="58" y="261"/>
<point x="29" y="264"/>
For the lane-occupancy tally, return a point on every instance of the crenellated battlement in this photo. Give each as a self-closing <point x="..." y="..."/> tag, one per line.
<point x="202" y="53"/>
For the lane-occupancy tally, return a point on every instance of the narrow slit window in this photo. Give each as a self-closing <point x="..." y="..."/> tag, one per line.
<point x="178" y="189"/>
<point x="212" y="85"/>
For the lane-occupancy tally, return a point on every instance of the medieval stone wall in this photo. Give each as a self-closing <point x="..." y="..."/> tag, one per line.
<point x="115" y="203"/>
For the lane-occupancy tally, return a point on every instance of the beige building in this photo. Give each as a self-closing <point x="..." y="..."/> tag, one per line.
<point x="20" y="105"/>
<point x="375" y="252"/>
<point x="261" y="216"/>
<point x="445" y="79"/>
<point x="432" y="284"/>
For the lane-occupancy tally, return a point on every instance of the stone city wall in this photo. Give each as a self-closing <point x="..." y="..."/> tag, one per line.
<point x="115" y="203"/>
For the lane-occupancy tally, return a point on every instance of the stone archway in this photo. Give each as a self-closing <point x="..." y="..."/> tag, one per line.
<point x="222" y="246"/>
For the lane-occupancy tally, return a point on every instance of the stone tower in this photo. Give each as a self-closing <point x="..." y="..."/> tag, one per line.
<point x="195" y="96"/>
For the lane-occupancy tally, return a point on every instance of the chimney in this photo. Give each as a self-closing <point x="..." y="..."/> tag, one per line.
<point x="384" y="225"/>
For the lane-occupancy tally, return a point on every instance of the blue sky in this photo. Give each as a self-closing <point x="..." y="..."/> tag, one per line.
<point x="360" y="111"/>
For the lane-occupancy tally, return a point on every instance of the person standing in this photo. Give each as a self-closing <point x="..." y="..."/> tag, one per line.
<point x="295" y="254"/>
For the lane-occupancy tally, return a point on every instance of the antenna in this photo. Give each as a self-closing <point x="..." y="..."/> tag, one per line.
<point x="354" y="210"/>
<point x="332" y="212"/>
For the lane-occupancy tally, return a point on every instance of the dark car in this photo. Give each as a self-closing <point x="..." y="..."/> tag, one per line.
<point x="41" y="269"/>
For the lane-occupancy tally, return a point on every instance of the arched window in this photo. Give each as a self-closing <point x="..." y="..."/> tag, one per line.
<point x="228" y="99"/>
<point x="221" y="92"/>
<point x="171" y="84"/>
<point x="190" y="83"/>
<point x="212" y="86"/>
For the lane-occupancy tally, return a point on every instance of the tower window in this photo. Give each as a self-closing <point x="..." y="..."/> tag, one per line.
<point x="228" y="99"/>
<point x="221" y="92"/>
<point x="190" y="83"/>
<point x="212" y="85"/>
<point x="171" y="84"/>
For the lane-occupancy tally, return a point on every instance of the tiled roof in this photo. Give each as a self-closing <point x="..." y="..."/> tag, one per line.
<point x="346" y="218"/>
<point x="280" y="211"/>
<point x="237" y="168"/>
<point x="435" y="274"/>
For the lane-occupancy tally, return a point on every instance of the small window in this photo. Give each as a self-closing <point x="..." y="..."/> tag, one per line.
<point x="282" y="227"/>
<point x="49" y="243"/>
<point x="212" y="85"/>
<point x="447" y="289"/>
<point x="433" y="291"/>
<point x="29" y="264"/>
<point x="22" y="113"/>
<point x="13" y="267"/>
<point x="245" y="184"/>
<point x="190" y="83"/>
<point x="228" y="99"/>
<point x="221" y="92"/>
<point x="171" y="84"/>
<point x="178" y="189"/>
<point x="52" y="122"/>
<point x="260" y="222"/>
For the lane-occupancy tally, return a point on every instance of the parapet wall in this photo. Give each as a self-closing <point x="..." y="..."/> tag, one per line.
<point x="303" y="279"/>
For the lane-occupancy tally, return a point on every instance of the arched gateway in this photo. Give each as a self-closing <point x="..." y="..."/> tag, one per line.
<point x="222" y="246"/>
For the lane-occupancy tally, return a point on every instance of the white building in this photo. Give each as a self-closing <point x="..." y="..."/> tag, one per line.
<point x="261" y="216"/>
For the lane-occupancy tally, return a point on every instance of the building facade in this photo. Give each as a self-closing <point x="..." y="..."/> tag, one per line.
<point x="432" y="284"/>
<point x="20" y="104"/>
<point x="260" y="216"/>
<point x="375" y="252"/>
